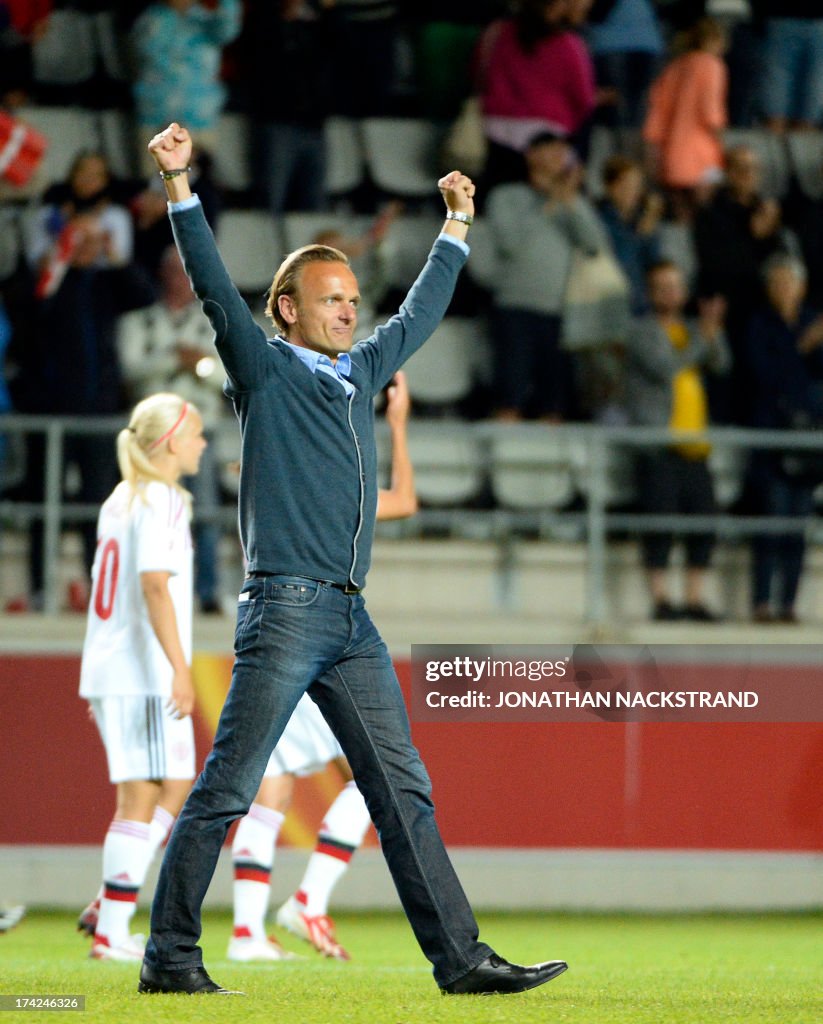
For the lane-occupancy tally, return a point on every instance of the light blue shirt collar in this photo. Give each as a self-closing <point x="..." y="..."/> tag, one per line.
<point x="317" y="362"/>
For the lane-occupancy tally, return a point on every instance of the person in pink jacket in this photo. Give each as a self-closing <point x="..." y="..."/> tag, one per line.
<point x="535" y="75"/>
<point x="687" y="113"/>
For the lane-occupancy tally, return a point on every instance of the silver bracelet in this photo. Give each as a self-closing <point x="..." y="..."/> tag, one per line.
<point x="168" y="175"/>
<point x="463" y="218"/>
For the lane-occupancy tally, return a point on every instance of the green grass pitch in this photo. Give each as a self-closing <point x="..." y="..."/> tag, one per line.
<point x="623" y="970"/>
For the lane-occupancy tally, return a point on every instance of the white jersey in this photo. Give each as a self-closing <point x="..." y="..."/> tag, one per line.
<point x="121" y="653"/>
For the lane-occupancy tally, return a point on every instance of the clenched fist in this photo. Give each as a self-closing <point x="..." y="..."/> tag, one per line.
<point x="171" y="148"/>
<point x="458" y="192"/>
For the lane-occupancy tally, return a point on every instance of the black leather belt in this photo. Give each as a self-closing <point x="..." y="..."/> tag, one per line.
<point x="347" y="588"/>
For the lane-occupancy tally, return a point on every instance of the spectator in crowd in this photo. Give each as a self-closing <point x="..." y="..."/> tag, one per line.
<point x="20" y="25"/>
<point x="785" y="361"/>
<point x="79" y="248"/>
<point x="626" y="45"/>
<point x="666" y="357"/>
<point x="687" y="112"/>
<point x="290" y="161"/>
<point x="169" y="346"/>
<point x="534" y="227"/>
<point x="804" y="216"/>
<point x="446" y="38"/>
<point x="734" y="234"/>
<point x="631" y="216"/>
<point x="535" y="76"/>
<point x="84" y="203"/>
<point x="177" y="46"/>
<point x="793" y="85"/>
<point x="365" y="67"/>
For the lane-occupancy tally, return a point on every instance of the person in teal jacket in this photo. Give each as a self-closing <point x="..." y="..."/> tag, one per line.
<point x="178" y="46"/>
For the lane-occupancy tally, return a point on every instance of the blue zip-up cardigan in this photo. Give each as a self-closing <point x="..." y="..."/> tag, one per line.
<point x="308" y="480"/>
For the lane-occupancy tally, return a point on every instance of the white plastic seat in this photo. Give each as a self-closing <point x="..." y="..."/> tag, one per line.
<point x="66" y="52"/>
<point x="483" y="264"/>
<point x="619" y="474"/>
<point x="443" y="370"/>
<point x="531" y="470"/>
<point x="447" y="466"/>
<point x="806" y="158"/>
<point x="251" y="247"/>
<point x="402" y="155"/>
<point x="232" y="155"/>
<point x="677" y="245"/>
<point x="406" y="248"/>
<point x="117" y="139"/>
<point x="69" y="130"/>
<point x="303" y="228"/>
<point x="345" y="160"/>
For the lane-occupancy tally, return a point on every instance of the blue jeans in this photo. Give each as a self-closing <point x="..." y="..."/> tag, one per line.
<point x="793" y="86"/>
<point x="295" y="634"/>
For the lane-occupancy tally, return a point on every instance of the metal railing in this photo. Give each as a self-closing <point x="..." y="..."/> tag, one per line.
<point x="595" y="518"/>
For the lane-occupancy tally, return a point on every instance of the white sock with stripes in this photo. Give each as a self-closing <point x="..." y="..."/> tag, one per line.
<point x="125" y="861"/>
<point x="252" y="855"/>
<point x="341" y="832"/>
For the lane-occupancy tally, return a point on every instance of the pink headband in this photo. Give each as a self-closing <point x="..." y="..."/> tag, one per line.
<point x="172" y="429"/>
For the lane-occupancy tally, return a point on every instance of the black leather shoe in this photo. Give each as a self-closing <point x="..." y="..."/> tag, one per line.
<point x="494" y="974"/>
<point x="192" y="981"/>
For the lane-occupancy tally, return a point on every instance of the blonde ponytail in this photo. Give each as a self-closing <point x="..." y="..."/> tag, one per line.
<point x="152" y="421"/>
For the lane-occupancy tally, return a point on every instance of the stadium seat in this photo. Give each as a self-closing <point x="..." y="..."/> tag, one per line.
<point x="401" y="155"/>
<point x="806" y="159"/>
<point x="251" y="247"/>
<point x="619" y="478"/>
<point x="406" y="246"/>
<point x="345" y="160"/>
<point x="70" y="130"/>
<point x="65" y="54"/>
<point x="448" y="468"/>
<point x="442" y="371"/>
<point x="117" y="138"/>
<point x="769" y="148"/>
<point x="531" y="470"/>
<point x="482" y="266"/>
<point x="232" y="155"/>
<point x="303" y="228"/>
<point x="677" y="245"/>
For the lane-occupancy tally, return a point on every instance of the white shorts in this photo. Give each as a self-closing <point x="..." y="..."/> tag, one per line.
<point x="142" y="740"/>
<point x="307" y="744"/>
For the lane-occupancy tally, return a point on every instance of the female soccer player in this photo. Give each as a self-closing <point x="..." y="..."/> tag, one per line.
<point x="136" y="666"/>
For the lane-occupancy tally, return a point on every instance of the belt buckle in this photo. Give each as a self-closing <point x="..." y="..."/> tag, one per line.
<point x="349" y="589"/>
